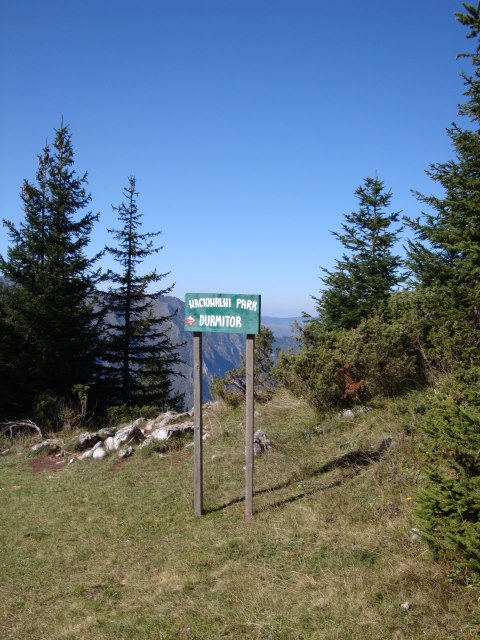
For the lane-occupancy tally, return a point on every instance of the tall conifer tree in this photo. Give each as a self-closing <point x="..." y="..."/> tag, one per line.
<point x="368" y="272"/>
<point x="445" y="260"/>
<point x="141" y="357"/>
<point x="445" y="255"/>
<point x="49" y="303"/>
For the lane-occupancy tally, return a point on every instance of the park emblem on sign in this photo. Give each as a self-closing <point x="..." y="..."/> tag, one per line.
<point x="222" y="312"/>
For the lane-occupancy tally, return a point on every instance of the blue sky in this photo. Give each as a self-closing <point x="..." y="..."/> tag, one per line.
<point x="247" y="123"/>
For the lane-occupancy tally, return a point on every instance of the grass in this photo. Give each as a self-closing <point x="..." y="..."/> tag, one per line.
<point x="99" y="550"/>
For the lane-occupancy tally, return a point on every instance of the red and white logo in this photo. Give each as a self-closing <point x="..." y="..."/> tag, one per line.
<point x="190" y="321"/>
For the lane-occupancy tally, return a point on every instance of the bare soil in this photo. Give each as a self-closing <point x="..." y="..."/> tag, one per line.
<point x="48" y="462"/>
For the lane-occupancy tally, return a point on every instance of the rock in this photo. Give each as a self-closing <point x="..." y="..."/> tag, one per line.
<point x="85" y="441"/>
<point x="108" y="444"/>
<point x="99" y="452"/>
<point x="86" y="455"/>
<point x="162" y="433"/>
<point x="91" y="453"/>
<point x="106" y="432"/>
<point x="167" y="417"/>
<point x="160" y="421"/>
<point x="47" y="446"/>
<point x="181" y="428"/>
<point x="125" y="435"/>
<point x="414" y="534"/>
<point x="385" y="444"/>
<point x="170" y="431"/>
<point x="126" y="453"/>
<point x="406" y="606"/>
<point x="261" y="443"/>
<point x="350" y="414"/>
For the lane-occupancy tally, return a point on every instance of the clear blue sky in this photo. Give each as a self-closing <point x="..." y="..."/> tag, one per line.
<point x="247" y="123"/>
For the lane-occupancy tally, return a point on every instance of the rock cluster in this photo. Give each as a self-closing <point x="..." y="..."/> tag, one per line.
<point x="122" y="440"/>
<point x="126" y="439"/>
<point x="141" y="433"/>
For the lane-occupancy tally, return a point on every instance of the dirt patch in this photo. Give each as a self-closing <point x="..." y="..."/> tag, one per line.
<point x="50" y="463"/>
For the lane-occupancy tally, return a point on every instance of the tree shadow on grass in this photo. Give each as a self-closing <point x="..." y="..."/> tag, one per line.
<point x="353" y="460"/>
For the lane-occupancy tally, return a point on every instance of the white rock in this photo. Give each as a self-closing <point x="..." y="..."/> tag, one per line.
<point x="86" y="455"/>
<point x="128" y="434"/>
<point x="106" y="432"/>
<point x="414" y="534"/>
<point x="98" y="453"/>
<point x="86" y="440"/>
<point x="108" y="444"/>
<point x="261" y="443"/>
<point x="47" y="446"/>
<point x="162" y="433"/>
<point x="126" y="453"/>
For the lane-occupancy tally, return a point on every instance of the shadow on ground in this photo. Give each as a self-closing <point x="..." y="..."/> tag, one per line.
<point x="353" y="460"/>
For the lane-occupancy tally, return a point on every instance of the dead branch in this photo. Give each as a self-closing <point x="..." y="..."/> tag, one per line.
<point x="11" y="425"/>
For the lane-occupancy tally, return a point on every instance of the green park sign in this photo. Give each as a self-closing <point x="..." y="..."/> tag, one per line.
<point x="222" y="312"/>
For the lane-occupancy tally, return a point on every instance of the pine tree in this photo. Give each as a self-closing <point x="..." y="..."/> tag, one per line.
<point x="445" y="254"/>
<point x="445" y="260"/>
<point x="49" y="303"/>
<point x="141" y="358"/>
<point x="10" y="378"/>
<point x="365" y="276"/>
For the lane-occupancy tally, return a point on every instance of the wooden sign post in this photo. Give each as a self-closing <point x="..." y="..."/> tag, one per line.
<point x="198" y="428"/>
<point x="226" y="313"/>
<point x="249" y="425"/>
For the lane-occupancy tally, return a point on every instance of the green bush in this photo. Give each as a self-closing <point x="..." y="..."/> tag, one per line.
<point x="449" y="506"/>
<point x="381" y="356"/>
<point x="313" y="372"/>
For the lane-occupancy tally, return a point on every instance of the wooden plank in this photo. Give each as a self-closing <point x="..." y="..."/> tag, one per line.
<point x="249" y="425"/>
<point x="198" y="430"/>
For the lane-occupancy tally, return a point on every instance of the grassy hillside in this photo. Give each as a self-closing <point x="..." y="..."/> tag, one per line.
<point x="109" y="549"/>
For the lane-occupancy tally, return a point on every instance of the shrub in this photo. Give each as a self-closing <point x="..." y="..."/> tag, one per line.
<point x="381" y="356"/>
<point x="315" y="371"/>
